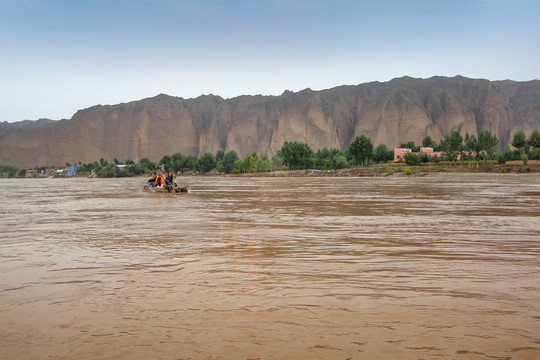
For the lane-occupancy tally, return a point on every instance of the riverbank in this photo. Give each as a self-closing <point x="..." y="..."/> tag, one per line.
<point x="401" y="170"/>
<point x="380" y="170"/>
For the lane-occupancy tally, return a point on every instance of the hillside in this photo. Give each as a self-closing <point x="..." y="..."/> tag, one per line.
<point x="392" y="112"/>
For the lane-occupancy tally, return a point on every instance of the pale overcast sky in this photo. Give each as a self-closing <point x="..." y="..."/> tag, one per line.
<point x="59" y="56"/>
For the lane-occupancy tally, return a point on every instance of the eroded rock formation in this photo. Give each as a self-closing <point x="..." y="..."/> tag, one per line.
<point x="404" y="109"/>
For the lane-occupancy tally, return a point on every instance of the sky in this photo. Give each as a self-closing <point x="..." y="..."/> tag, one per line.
<point x="60" y="56"/>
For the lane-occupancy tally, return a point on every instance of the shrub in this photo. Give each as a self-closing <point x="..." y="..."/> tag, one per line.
<point x="412" y="159"/>
<point x="525" y="159"/>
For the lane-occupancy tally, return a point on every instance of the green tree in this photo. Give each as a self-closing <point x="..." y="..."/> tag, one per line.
<point x="250" y="163"/>
<point x="525" y="159"/>
<point x="110" y="170"/>
<point x="325" y="158"/>
<point x="265" y="164"/>
<point x="135" y="169"/>
<point x="254" y="162"/>
<point x="147" y="165"/>
<point x="166" y="162"/>
<point x="519" y="141"/>
<point x="190" y="162"/>
<point x="226" y="164"/>
<point x="340" y="161"/>
<point x="207" y="162"/>
<point x="277" y="162"/>
<point x="176" y="161"/>
<point x="383" y="154"/>
<point x="451" y="145"/>
<point x="323" y="153"/>
<point x="412" y="159"/>
<point x="8" y="171"/>
<point x="534" y="139"/>
<point x="472" y="144"/>
<point x="322" y="158"/>
<point x="428" y="142"/>
<point x="410" y="145"/>
<point x="220" y="155"/>
<point x="456" y="142"/>
<point x="506" y="155"/>
<point x="361" y="149"/>
<point x="296" y="154"/>
<point x="488" y="141"/>
<point x="86" y="167"/>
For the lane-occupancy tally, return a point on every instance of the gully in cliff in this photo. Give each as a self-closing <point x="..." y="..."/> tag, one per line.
<point x="164" y="184"/>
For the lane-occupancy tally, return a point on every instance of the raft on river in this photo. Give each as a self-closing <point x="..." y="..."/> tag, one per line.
<point x="177" y="190"/>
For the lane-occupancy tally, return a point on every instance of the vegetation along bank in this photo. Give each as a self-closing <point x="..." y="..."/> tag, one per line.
<point x="455" y="153"/>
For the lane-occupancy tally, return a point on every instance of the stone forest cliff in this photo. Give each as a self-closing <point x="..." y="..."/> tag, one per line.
<point x="401" y="110"/>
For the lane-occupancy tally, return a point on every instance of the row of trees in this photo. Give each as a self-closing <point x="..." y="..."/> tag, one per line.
<point x="454" y="143"/>
<point x="527" y="148"/>
<point x="481" y="147"/>
<point x="292" y="155"/>
<point x="299" y="155"/>
<point x="455" y="146"/>
<point x="11" y="171"/>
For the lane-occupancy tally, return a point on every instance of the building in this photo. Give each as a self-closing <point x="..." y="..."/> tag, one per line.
<point x="399" y="153"/>
<point x="429" y="152"/>
<point x="31" y="173"/>
<point x="72" y="170"/>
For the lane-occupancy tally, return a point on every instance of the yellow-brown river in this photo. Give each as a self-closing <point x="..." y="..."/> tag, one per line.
<point x="439" y="267"/>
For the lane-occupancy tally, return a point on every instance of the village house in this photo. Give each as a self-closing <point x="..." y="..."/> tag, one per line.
<point x="399" y="153"/>
<point x="31" y="173"/>
<point x="429" y="152"/>
<point x="70" y="170"/>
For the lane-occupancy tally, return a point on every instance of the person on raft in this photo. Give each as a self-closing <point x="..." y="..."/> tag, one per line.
<point x="160" y="180"/>
<point x="152" y="180"/>
<point x="169" y="181"/>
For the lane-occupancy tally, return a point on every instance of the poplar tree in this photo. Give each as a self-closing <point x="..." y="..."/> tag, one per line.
<point x="520" y="141"/>
<point x="361" y="149"/>
<point x="296" y="154"/>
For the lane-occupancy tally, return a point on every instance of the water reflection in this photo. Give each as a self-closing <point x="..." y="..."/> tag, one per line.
<point x="274" y="268"/>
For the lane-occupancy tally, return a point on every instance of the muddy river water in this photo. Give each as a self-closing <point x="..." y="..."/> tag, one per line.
<point x="439" y="267"/>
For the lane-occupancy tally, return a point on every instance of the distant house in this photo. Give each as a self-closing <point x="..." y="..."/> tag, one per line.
<point x="31" y="173"/>
<point x="72" y="170"/>
<point x="399" y="153"/>
<point x="429" y="152"/>
<point x="67" y="171"/>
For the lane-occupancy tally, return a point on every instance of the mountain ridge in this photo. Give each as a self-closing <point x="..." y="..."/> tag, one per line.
<point x="400" y="110"/>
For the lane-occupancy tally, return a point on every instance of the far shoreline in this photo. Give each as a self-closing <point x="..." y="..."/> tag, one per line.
<point x="396" y="170"/>
<point x="382" y="170"/>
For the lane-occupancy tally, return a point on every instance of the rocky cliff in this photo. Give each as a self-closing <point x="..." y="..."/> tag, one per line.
<point x="393" y="112"/>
